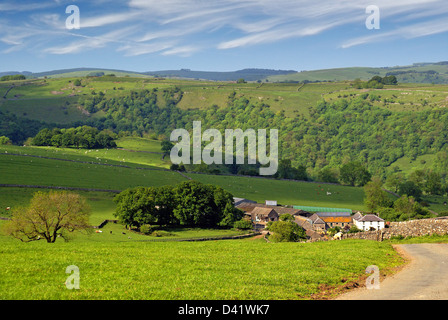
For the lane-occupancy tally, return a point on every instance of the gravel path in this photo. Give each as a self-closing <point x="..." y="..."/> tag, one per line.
<point x="424" y="278"/>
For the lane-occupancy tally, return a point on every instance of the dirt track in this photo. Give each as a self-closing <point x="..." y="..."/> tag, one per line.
<point x="424" y="278"/>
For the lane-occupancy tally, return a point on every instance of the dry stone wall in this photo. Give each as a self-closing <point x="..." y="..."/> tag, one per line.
<point x="412" y="228"/>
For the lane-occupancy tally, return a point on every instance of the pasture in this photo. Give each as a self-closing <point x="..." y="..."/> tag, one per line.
<point x="26" y="170"/>
<point x="288" y="192"/>
<point x="117" y="268"/>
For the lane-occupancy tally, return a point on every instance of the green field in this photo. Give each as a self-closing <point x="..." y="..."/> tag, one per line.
<point x="413" y="74"/>
<point x="402" y="97"/>
<point x="288" y="192"/>
<point x="25" y="170"/>
<point x="229" y="269"/>
<point x="56" y="100"/>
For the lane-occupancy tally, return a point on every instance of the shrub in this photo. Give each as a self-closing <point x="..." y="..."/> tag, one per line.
<point x="4" y="140"/>
<point x="354" y="229"/>
<point x="161" y="233"/>
<point x="243" y="224"/>
<point x="286" y="231"/>
<point x="286" y="217"/>
<point x="146" y="229"/>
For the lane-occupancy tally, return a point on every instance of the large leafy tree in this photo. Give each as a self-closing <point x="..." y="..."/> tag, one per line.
<point x="375" y="196"/>
<point x="286" y="231"/>
<point x="195" y="204"/>
<point x="190" y="203"/>
<point x="49" y="216"/>
<point x="354" y="174"/>
<point x="136" y="207"/>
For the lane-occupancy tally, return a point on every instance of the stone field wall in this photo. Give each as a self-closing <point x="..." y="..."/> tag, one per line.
<point x="412" y="228"/>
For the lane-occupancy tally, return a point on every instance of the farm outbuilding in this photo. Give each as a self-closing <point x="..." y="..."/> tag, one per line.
<point x="263" y="215"/>
<point x="323" y="209"/>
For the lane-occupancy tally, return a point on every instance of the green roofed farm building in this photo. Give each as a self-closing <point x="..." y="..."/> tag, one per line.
<point x="322" y="209"/>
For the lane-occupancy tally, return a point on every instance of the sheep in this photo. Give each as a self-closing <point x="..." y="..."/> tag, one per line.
<point x="338" y="236"/>
<point x="8" y="208"/>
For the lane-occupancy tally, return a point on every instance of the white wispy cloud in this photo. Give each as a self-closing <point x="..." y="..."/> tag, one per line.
<point x="412" y="31"/>
<point x="183" y="27"/>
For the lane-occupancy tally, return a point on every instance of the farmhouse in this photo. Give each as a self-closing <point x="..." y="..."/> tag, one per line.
<point x="326" y="220"/>
<point x="318" y="223"/>
<point x="368" y="222"/>
<point x="263" y="215"/>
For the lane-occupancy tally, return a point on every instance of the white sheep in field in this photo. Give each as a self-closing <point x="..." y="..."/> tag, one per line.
<point x="8" y="208"/>
<point x="338" y="236"/>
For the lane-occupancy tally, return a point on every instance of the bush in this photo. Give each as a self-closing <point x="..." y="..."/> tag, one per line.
<point x="146" y="229"/>
<point x="286" y="217"/>
<point x="4" y="140"/>
<point x="286" y="231"/>
<point x="161" y="233"/>
<point x="243" y="224"/>
<point x="354" y="229"/>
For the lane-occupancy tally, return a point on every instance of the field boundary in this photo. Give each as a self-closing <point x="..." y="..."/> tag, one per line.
<point x="56" y="187"/>
<point x="84" y="162"/>
<point x="243" y="236"/>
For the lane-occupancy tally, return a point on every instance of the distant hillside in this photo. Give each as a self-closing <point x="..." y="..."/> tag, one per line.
<point x="436" y="73"/>
<point x="75" y="72"/>
<point x="246" y="74"/>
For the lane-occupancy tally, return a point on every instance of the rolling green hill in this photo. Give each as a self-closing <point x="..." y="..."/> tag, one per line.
<point x="417" y="73"/>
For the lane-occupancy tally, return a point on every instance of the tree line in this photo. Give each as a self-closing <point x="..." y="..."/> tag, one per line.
<point x="80" y="137"/>
<point x="13" y="77"/>
<point x="375" y="82"/>
<point x="188" y="204"/>
<point x="405" y="207"/>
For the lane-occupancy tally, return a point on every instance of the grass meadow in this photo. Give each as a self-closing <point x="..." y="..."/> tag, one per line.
<point x="229" y="269"/>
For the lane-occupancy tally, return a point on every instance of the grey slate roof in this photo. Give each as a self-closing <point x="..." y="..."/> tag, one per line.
<point x="369" y="217"/>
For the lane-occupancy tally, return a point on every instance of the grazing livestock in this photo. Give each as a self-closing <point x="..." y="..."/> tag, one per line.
<point x="8" y="208"/>
<point x="338" y="236"/>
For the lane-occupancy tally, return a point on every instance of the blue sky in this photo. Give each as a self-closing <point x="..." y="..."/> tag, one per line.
<point x="225" y="35"/>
